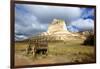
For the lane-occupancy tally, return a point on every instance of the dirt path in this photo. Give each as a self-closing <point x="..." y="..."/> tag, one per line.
<point x="22" y="60"/>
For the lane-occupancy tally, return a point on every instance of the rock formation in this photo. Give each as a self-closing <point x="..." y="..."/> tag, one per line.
<point x="57" y="30"/>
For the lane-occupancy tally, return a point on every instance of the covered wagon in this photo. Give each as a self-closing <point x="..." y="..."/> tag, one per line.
<point x="38" y="47"/>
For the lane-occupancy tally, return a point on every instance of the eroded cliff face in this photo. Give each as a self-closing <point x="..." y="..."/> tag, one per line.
<point x="57" y="25"/>
<point x="57" y="30"/>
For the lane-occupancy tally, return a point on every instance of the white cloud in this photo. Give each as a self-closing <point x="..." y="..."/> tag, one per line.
<point x="82" y="25"/>
<point x="87" y="12"/>
<point x="48" y="13"/>
<point x="20" y="38"/>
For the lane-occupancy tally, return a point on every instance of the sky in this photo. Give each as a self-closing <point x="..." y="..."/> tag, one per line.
<point x="33" y="19"/>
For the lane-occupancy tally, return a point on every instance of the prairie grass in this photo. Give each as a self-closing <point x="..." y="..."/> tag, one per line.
<point x="60" y="52"/>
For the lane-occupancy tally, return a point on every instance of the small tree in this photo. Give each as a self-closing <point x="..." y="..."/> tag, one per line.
<point x="90" y="40"/>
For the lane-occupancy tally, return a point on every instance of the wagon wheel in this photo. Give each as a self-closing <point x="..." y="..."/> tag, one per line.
<point x="29" y="48"/>
<point x="33" y="50"/>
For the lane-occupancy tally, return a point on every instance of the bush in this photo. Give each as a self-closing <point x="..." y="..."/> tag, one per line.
<point x="90" y="40"/>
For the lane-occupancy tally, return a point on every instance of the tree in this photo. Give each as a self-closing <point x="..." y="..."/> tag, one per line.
<point x="90" y="40"/>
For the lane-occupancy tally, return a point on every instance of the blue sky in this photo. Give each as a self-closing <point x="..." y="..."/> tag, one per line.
<point x="33" y="19"/>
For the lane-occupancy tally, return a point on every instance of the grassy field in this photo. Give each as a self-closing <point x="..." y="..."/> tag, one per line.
<point x="58" y="52"/>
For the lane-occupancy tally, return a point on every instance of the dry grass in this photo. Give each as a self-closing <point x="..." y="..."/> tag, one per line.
<point x="60" y="52"/>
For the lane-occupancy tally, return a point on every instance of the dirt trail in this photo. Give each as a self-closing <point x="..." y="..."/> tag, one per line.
<point x="22" y="60"/>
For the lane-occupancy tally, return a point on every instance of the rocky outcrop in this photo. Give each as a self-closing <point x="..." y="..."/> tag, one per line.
<point x="57" y="30"/>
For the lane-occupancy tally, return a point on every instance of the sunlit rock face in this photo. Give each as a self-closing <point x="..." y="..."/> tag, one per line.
<point x="57" y="25"/>
<point x="57" y="30"/>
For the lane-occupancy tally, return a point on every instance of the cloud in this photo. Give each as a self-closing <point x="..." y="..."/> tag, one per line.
<point x="87" y="13"/>
<point x="20" y="37"/>
<point x="81" y="25"/>
<point x="26" y="24"/>
<point x="85" y="22"/>
<point x="46" y="14"/>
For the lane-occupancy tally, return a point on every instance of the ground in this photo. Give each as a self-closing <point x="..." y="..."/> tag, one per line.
<point x="71" y="51"/>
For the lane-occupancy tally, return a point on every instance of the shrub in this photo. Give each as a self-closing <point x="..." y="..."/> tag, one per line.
<point x="90" y="40"/>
